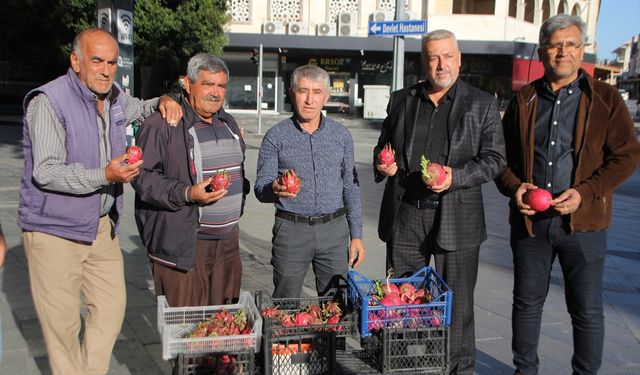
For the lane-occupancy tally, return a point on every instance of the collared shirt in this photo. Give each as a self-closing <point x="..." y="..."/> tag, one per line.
<point x="553" y="136"/>
<point x="324" y="161"/>
<point x="430" y="139"/>
<point x="49" y="150"/>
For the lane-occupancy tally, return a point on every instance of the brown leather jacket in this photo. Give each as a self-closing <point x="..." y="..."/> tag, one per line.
<point x="606" y="151"/>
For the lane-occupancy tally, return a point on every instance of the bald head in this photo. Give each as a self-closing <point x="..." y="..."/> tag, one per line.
<point x="94" y="59"/>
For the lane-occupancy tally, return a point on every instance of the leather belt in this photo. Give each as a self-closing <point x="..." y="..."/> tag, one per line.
<point x="311" y="220"/>
<point x="422" y="204"/>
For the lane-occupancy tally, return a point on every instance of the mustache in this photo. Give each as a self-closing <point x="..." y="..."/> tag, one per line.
<point x="212" y="98"/>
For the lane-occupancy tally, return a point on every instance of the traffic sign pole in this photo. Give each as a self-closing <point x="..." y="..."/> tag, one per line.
<point x="398" y="51"/>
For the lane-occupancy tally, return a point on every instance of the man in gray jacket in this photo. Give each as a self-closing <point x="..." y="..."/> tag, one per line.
<point x="191" y="233"/>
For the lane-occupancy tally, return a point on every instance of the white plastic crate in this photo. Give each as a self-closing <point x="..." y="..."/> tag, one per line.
<point x="174" y="323"/>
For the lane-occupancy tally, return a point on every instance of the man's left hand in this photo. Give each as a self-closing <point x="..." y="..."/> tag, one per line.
<point x="447" y="181"/>
<point x="567" y="202"/>
<point x="356" y="252"/>
<point x="170" y="110"/>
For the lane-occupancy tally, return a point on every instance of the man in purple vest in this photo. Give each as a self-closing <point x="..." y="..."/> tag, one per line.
<point x="71" y="201"/>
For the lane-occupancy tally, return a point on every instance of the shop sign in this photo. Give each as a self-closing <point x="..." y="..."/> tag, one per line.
<point x="373" y="67"/>
<point x="331" y="64"/>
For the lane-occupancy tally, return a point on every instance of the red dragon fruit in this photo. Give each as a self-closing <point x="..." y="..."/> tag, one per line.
<point x="134" y="154"/>
<point x="290" y="180"/>
<point x="303" y="318"/>
<point x="387" y="156"/>
<point x="220" y="181"/>
<point x="538" y="199"/>
<point x="433" y="174"/>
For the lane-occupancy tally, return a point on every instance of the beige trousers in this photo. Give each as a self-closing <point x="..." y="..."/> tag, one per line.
<point x="61" y="271"/>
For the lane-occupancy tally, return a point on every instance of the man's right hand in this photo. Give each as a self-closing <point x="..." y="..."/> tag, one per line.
<point x="388" y="171"/>
<point x="281" y="190"/>
<point x="198" y="193"/>
<point x="118" y="170"/>
<point x="524" y="209"/>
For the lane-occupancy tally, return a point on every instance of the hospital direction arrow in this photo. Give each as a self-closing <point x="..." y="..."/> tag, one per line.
<point x="384" y="28"/>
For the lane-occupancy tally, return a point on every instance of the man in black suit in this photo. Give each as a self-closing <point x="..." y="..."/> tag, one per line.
<point x="457" y="126"/>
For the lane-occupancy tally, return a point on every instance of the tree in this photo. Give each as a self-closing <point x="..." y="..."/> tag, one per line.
<point x="166" y="32"/>
<point x="169" y="33"/>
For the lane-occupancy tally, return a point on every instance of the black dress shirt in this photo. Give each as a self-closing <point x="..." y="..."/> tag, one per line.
<point x="553" y="138"/>
<point x="430" y="139"/>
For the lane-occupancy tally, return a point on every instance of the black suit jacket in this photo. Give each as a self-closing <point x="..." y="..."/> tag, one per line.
<point x="476" y="155"/>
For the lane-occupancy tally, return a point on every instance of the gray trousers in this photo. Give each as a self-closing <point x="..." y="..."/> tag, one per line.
<point x="296" y="245"/>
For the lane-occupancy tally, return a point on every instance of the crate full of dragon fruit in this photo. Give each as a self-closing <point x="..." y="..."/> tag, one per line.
<point x="209" y="329"/>
<point x="419" y="301"/>
<point x="288" y="316"/>
<point x="233" y="363"/>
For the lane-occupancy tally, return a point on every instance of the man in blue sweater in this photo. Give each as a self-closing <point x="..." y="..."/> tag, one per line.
<point x="310" y="225"/>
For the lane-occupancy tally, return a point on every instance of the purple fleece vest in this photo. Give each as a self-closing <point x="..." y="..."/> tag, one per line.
<point x="69" y="216"/>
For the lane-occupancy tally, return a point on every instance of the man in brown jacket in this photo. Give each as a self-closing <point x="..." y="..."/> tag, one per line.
<point x="573" y="136"/>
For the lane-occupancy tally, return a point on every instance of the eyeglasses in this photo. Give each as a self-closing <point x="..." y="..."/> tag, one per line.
<point x="566" y="47"/>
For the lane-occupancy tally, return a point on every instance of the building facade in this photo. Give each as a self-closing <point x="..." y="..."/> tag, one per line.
<point x="498" y="40"/>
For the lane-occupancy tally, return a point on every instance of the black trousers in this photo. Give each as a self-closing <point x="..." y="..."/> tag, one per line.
<point x="582" y="258"/>
<point x="412" y="246"/>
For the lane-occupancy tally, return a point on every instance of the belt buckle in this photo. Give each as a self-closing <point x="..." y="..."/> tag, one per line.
<point x="313" y="220"/>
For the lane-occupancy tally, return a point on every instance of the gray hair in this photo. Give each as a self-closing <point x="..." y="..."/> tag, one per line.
<point x="559" y="22"/>
<point x="208" y="62"/>
<point x="437" y="35"/>
<point x="77" y="41"/>
<point x="312" y="73"/>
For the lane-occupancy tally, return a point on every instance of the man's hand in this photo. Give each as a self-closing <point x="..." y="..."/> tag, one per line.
<point x="281" y="190"/>
<point x="357" y="252"/>
<point x="170" y="110"/>
<point x="388" y="171"/>
<point x="446" y="184"/>
<point x="3" y="249"/>
<point x="524" y="208"/>
<point x="567" y="202"/>
<point x="118" y="170"/>
<point x="200" y="195"/>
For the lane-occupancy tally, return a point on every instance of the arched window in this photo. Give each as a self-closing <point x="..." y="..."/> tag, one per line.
<point x="546" y="10"/>
<point x="474" y="6"/>
<point x="563" y="7"/>
<point x="529" y="10"/>
<point x="513" y="8"/>
<point x="575" y="11"/>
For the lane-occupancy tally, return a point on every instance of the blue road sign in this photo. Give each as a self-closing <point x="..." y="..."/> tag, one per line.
<point x="384" y="28"/>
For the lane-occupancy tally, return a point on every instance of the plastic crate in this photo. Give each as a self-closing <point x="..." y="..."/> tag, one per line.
<point x="174" y="323"/>
<point x="289" y="305"/>
<point x="414" y="351"/>
<point x="237" y="363"/>
<point x="372" y="315"/>
<point x="300" y="350"/>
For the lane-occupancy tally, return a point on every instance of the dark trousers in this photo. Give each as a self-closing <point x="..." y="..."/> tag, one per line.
<point x="297" y="245"/>
<point x="214" y="280"/>
<point x="581" y="257"/>
<point x="412" y="246"/>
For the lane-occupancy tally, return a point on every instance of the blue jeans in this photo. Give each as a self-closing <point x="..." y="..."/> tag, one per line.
<point x="581" y="257"/>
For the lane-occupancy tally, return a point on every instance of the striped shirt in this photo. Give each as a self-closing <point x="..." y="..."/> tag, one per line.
<point x="48" y="142"/>
<point x="220" y="151"/>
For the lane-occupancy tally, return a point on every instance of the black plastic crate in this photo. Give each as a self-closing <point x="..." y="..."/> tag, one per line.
<point x="406" y="350"/>
<point x="236" y="363"/>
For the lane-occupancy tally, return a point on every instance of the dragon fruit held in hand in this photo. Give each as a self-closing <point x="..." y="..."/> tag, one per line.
<point x="220" y="181"/>
<point x="134" y="154"/>
<point x="433" y="174"/>
<point x="387" y="156"/>
<point x="290" y="180"/>
<point x="538" y="199"/>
